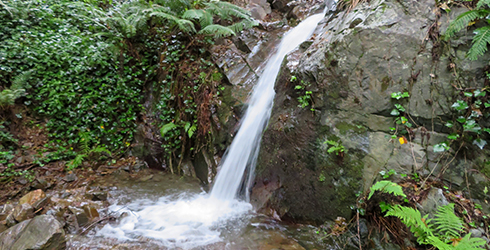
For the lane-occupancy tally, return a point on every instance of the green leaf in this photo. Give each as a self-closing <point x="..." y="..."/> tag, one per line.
<point x="387" y="187"/>
<point x="453" y="136"/>
<point x="460" y="105"/>
<point x="395" y="112"/>
<point x="441" y="147"/>
<point x="191" y="131"/>
<point x="167" y="127"/>
<point x="480" y="143"/>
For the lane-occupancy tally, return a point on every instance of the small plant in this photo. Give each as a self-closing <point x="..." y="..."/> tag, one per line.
<point x="482" y="34"/>
<point x="86" y="151"/>
<point x="335" y="147"/>
<point x="305" y="99"/>
<point x="443" y="231"/>
<point x="400" y="119"/>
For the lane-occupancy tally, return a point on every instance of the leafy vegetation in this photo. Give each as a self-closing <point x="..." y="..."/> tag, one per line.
<point x="86" y="66"/>
<point x="443" y="231"/>
<point x="482" y="34"/>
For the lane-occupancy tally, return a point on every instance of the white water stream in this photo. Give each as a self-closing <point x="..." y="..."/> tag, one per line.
<point x="180" y="221"/>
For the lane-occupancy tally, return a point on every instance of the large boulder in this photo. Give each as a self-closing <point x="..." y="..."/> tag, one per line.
<point x="356" y="61"/>
<point x="41" y="233"/>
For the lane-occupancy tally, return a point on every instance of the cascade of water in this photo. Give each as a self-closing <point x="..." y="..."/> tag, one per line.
<point x="244" y="148"/>
<point x="187" y="222"/>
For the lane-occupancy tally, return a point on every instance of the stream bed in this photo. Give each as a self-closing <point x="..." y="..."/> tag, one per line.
<point x="163" y="211"/>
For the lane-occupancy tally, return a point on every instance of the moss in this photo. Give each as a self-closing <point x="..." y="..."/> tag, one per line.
<point x="345" y="127"/>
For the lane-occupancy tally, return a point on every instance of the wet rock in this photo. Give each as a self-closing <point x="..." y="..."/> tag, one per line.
<point x="91" y="212"/>
<point x="32" y="197"/>
<point x="283" y="5"/>
<point x="10" y="220"/>
<point x="23" y="212"/>
<point x="99" y="196"/>
<point x="3" y="225"/>
<point x="7" y="208"/>
<point x="41" y="203"/>
<point x="188" y="168"/>
<point x="80" y="216"/>
<point x="70" y="178"/>
<point x="41" y="233"/>
<point x="259" y="9"/>
<point x="41" y="183"/>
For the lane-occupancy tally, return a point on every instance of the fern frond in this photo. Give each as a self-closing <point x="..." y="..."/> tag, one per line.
<point x="464" y="19"/>
<point x="227" y="10"/>
<point x="100" y="149"/>
<point x="438" y="243"/>
<point x="183" y="24"/>
<point x="76" y="162"/>
<point x="468" y="243"/>
<point x="387" y="187"/>
<point x="481" y="4"/>
<point x="412" y="219"/>
<point x="217" y="30"/>
<point x="243" y="25"/>
<point x="447" y="223"/>
<point x="204" y="17"/>
<point x="480" y="42"/>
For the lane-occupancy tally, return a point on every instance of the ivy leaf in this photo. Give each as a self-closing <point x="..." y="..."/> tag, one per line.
<point x="468" y="94"/>
<point x="441" y="147"/>
<point x="461" y="119"/>
<point x="479" y="93"/>
<point x="480" y="143"/>
<point x="400" y="107"/>
<point x="395" y="112"/>
<point x="460" y="105"/>
<point x="453" y="136"/>
<point x="449" y="124"/>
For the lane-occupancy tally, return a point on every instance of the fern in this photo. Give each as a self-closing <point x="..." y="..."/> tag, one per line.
<point x="482" y="3"/>
<point x="480" y="42"/>
<point x="86" y="150"/>
<point x="468" y="243"/>
<point x="387" y="187"/>
<point x="442" y="232"/>
<point x="464" y="19"/>
<point x="183" y="24"/>
<point x="205" y="17"/>
<point x="412" y="219"/>
<point x="448" y="225"/>
<point x="217" y="30"/>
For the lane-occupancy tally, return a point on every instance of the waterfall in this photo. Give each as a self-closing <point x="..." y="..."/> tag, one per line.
<point x="244" y="149"/>
<point x="185" y="220"/>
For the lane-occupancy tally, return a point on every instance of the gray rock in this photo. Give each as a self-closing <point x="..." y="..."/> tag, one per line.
<point x="355" y="62"/>
<point x="70" y="177"/>
<point x="23" y="212"/>
<point x="41" y="233"/>
<point x="434" y="200"/>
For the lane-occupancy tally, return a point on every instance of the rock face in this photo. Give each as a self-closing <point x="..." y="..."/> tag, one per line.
<point x="356" y="61"/>
<point x="43" y="232"/>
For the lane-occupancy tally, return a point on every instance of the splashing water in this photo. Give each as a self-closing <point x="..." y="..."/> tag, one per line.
<point x="180" y="221"/>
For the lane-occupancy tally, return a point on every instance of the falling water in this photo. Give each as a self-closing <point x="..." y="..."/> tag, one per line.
<point x="192" y="220"/>
<point x="244" y="149"/>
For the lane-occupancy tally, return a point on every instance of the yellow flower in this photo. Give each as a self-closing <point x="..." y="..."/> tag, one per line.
<point x="102" y="127"/>
<point x="402" y="140"/>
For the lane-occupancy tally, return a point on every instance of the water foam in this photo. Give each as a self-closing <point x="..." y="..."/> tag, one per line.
<point x="184" y="222"/>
